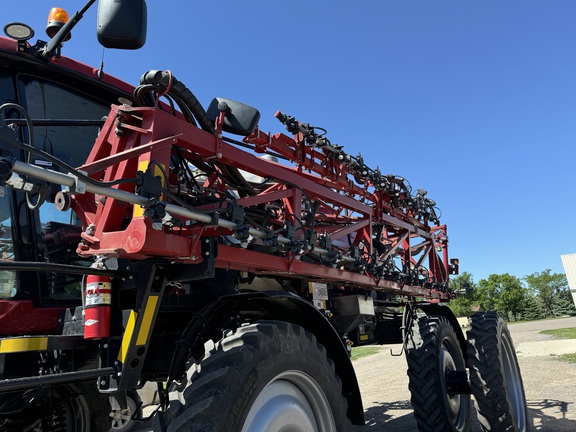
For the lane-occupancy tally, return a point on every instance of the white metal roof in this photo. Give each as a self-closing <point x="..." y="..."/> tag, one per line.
<point x="569" y="262"/>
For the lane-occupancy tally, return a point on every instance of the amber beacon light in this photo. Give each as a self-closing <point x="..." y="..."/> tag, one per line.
<point x="56" y="20"/>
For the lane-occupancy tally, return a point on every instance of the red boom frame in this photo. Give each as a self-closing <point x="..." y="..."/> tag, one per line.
<point x="348" y="209"/>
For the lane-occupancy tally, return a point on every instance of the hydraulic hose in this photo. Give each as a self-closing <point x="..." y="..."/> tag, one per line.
<point x="178" y="90"/>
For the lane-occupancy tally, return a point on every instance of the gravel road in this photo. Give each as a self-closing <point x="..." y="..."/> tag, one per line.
<point x="549" y="384"/>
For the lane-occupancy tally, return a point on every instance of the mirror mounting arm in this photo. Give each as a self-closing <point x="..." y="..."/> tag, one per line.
<point x="53" y="46"/>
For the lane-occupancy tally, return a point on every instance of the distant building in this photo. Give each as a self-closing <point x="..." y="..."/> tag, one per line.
<point x="569" y="262"/>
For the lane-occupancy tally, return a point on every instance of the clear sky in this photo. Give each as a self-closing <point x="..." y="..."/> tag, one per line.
<point x="474" y="101"/>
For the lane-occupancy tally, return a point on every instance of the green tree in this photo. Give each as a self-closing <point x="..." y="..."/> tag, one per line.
<point x="533" y="309"/>
<point x="564" y="304"/>
<point x="465" y="288"/>
<point x="547" y="286"/>
<point x="463" y="284"/>
<point x="513" y="296"/>
<point x="503" y="293"/>
<point x="488" y="292"/>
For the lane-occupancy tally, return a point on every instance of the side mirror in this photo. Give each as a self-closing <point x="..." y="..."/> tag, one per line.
<point x="241" y="119"/>
<point x="122" y="23"/>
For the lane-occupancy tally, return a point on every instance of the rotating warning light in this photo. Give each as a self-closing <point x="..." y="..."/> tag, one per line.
<point x="56" y="20"/>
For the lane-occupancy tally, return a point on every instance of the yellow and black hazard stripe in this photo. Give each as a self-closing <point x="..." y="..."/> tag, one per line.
<point x="138" y="327"/>
<point x="39" y="343"/>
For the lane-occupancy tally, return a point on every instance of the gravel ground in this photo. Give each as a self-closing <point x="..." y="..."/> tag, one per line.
<point x="549" y="383"/>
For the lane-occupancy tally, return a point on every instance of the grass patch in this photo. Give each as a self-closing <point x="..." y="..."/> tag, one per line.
<point x="569" y="358"/>
<point x="363" y="351"/>
<point x="565" y="333"/>
<point x="523" y="321"/>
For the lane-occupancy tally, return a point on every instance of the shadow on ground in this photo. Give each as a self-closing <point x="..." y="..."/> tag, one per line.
<point x="546" y="416"/>
<point x="388" y="416"/>
<point x="549" y="415"/>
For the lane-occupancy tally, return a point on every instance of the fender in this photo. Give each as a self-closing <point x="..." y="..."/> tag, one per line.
<point x="275" y="305"/>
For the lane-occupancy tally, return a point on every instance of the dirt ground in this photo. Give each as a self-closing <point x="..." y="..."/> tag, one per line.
<point x="549" y="384"/>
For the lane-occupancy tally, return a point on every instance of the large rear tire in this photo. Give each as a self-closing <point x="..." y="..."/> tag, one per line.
<point x="432" y="352"/>
<point x="270" y="376"/>
<point x="72" y="408"/>
<point x="495" y="375"/>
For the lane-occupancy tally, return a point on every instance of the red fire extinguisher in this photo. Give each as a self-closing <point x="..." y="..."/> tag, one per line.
<point x="97" y="307"/>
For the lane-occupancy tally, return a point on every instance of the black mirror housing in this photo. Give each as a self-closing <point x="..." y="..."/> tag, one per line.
<point x="241" y="119"/>
<point x="122" y="23"/>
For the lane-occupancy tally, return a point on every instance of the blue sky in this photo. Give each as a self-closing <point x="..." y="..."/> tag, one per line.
<point x="474" y="101"/>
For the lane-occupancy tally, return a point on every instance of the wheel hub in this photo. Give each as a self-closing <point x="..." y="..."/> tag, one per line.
<point x="291" y="401"/>
<point x="456" y="405"/>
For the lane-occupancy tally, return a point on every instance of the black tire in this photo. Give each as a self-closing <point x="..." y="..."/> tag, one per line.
<point x="256" y="378"/>
<point x="72" y="412"/>
<point x="98" y="414"/>
<point x="72" y="408"/>
<point x="432" y="351"/>
<point x="495" y="375"/>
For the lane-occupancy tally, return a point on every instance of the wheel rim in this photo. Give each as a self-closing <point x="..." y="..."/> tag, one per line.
<point x="513" y="381"/>
<point x="290" y="401"/>
<point x="456" y="405"/>
<point x="122" y="419"/>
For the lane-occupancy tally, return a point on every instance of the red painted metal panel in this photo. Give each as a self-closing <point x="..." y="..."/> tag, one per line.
<point x="19" y="317"/>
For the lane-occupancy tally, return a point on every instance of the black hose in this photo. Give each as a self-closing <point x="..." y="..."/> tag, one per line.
<point x="179" y="92"/>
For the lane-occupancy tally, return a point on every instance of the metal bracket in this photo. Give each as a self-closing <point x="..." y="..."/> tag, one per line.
<point x="79" y="185"/>
<point x="407" y="321"/>
<point x="135" y="343"/>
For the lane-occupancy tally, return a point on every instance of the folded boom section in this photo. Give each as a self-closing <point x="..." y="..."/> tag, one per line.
<point x="310" y="211"/>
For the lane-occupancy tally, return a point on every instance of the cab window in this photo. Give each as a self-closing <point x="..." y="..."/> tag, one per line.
<point x="60" y="231"/>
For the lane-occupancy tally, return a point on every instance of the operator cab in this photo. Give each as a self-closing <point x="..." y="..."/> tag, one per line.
<point x="65" y="106"/>
<point x="61" y="115"/>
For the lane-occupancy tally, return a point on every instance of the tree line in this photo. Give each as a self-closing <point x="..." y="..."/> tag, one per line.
<point x="538" y="295"/>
